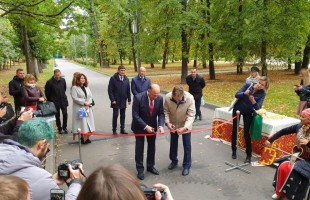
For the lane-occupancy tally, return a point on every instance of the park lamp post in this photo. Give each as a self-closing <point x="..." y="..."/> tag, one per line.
<point x="135" y="30"/>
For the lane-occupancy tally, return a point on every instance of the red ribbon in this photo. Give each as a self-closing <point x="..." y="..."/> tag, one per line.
<point x="151" y="134"/>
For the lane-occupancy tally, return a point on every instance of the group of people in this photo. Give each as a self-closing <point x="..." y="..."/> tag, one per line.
<point x="151" y="112"/>
<point x="177" y="110"/>
<point x="24" y="178"/>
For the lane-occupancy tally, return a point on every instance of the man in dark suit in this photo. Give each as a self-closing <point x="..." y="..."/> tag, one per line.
<point x="55" y="91"/>
<point x="119" y="94"/>
<point x="147" y="117"/>
<point x="140" y="83"/>
<point x="195" y="85"/>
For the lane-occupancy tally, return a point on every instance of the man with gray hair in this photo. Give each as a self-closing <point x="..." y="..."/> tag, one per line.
<point x="23" y="159"/>
<point x="179" y="109"/>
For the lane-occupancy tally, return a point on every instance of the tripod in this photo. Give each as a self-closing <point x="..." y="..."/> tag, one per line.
<point x="236" y="166"/>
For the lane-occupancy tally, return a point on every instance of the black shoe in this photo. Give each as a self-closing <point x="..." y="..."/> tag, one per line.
<point x="200" y="118"/>
<point x="234" y="155"/>
<point x="88" y="141"/>
<point x="60" y="131"/>
<point x="123" y="132"/>
<point x="172" y="166"/>
<point x="140" y="175"/>
<point x="153" y="171"/>
<point x="185" y="172"/>
<point x="65" y="130"/>
<point x="248" y="159"/>
<point x="114" y="131"/>
<point x="83" y="142"/>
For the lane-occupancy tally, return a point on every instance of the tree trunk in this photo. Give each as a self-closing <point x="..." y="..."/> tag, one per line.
<point x="211" y="57"/>
<point x="152" y="65"/>
<point x="40" y="66"/>
<point x="30" y="60"/>
<point x="240" y="56"/>
<point x="195" y="63"/>
<point x="297" y="61"/>
<point x="185" y="48"/>
<point x="289" y="64"/>
<point x="166" y="48"/>
<point x="305" y="60"/>
<point x="264" y="57"/>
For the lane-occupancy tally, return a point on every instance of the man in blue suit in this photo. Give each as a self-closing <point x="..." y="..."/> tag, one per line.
<point x="140" y="83"/>
<point x="147" y="117"/>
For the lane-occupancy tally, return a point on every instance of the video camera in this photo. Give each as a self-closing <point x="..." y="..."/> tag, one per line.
<point x="150" y="192"/>
<point x="63" y="170"/>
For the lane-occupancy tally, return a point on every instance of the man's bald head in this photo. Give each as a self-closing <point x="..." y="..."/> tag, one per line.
<point x="154" y="91"/>
<point x="142" y="71"/>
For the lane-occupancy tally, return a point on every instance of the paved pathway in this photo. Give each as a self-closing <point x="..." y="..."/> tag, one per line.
<point x="207" y="179"/>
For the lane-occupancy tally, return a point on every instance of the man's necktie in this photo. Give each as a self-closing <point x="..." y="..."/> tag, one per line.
<point x="151" y="107"/>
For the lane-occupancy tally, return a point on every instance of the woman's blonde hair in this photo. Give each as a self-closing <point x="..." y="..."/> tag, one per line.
<point x="29" y="77"/>
<point x="266" y="80"/>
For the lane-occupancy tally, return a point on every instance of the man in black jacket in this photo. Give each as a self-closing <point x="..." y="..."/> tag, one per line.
<point x="15" y="89"/>
<point x="196" y="83"/>
<point x="119" y="93"/>
<point x="55" y="91"/>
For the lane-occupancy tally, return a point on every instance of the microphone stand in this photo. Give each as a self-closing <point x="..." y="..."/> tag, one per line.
<point x="236" y="166"/>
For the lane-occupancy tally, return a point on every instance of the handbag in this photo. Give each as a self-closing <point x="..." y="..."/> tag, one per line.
<point x="82" y="113"/>
<point x="46" y="108"/>
<point x="202" y="102"/>
<point x="9" y="112"/>
<point x="256" y="126"/>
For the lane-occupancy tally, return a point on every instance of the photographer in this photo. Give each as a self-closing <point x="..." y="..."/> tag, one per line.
<point x="9" y="130"/>
<point x="114" y="182"/>
<point x="23" y="159"/>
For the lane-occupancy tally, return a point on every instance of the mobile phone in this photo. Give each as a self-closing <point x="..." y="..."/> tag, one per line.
<point x="57" y="194"/>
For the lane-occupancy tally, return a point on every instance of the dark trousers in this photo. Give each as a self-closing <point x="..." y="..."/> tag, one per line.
<point x="197" y="105"/>
<point x="247" y="120"/>
<point x="64" y="117"/>
<point x="173" y="155"/>
<point x="17" y="107"/>
<point x="122" y="118"/>
<point x="150" y="159"/>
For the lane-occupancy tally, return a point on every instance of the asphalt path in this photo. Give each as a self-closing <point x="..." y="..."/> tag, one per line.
<point x="207" y="178"/>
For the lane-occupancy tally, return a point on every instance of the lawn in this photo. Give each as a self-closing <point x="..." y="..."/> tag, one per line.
<point x="280" y="98"/>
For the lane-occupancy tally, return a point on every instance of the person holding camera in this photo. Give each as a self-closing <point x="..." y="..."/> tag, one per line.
<point x="9" y="130"/>
<point x="23" y="159"/>
<point x="115" y="182"/>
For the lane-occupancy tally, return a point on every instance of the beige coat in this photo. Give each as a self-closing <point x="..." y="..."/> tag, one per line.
<point x="182" y="115"/>
<point x="86" y="124"/>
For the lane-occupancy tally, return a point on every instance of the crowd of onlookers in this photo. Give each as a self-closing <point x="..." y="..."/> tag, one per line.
<point x="25" y="140"/>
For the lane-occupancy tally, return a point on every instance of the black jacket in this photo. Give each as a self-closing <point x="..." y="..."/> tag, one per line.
<point x="285" y="131"/>
<point x="55" y="91"/>
<point x="9" y="130"/>
<point x="195" y="86"/>
<point x="15" y="89"/>
<point x="119" y="91"/>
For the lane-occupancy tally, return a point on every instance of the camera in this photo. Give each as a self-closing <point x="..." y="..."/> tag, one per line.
<point x="57" y="194"/>
<point x="150" y="193"/>
<point x="63" y="170"/>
